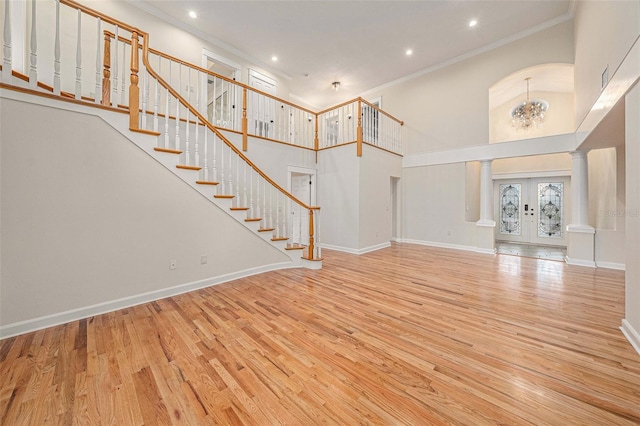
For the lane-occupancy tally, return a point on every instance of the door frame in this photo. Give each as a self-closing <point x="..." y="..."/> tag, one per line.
<point x="563" y="176"/>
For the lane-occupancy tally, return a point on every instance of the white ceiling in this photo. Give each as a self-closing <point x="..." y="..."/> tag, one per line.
<point x="362" y="44"/>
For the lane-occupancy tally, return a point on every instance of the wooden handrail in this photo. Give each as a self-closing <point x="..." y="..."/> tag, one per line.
<point x="363" y="101"/>
<point x="214" y="129"/>
<point x="96" y="14"/>
<point x="213" y="74"/>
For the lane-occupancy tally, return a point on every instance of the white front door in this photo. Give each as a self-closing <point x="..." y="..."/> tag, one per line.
<point x="532" y="210"/>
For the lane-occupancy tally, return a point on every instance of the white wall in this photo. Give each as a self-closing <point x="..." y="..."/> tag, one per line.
<point x="376" y="169"/>
<point x="632" y="276"/>
<point x="88" y="218"/>
<point x="338" y="196"/>
<point x="448" y="108"/>
<point x="434" y="205"/>
<point x="604" y="33"/>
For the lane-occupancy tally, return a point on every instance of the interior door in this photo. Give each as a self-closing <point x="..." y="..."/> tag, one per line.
<point x="261" y="108"/>
<point x="301" y="189"/>
<point x="532" y="210"/>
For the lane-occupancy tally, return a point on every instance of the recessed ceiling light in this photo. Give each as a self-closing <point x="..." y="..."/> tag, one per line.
<point x="409" y="52"/>
<point x="274" y="58"/>
<point x="193" y="14"/>
<point x="473" y="23"/>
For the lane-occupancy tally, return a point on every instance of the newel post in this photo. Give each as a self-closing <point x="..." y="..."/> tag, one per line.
<point x="311" y="241"/>
<point x="106" y="73"/>
<point x="245" y="125"/>
<point x="134" y="91"/>
<point x="359" y="129"/>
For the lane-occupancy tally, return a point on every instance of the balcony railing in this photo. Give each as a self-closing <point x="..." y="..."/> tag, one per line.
<point x="92" y="60"/>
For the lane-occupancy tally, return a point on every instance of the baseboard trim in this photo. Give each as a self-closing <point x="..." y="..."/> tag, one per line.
<point x="578" y="262"/>
<point x="356" y="251"/>
<point x="611" y="265"/>
<point x="35" y="324"/>
<point x="632" y="335"/>
<point x="448" y="246"/>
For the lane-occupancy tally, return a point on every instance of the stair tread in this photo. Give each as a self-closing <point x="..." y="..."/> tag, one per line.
<point x="206" y="182"/>
<point x="253" y="219"/>
<point x="279" y="239"/>
<point x="266" y="229"/>
<point x="235" y="209"/>
<point x="185" y="167"/>
<point x="294" y="247"/>
<point x="223" y="196"/>
<point x="168" y="150"/>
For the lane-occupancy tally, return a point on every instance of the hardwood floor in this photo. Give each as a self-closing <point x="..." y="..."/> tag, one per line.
<point x="405" y="335"/>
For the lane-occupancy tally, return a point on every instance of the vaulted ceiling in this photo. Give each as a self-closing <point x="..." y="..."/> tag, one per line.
<point x="362" y="44"/>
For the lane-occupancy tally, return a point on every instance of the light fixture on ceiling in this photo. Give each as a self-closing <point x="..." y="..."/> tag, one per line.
<point x="193" y="14"/>
<point x="409" y="52"/>
<point x="336" y="85"/>
<point x="529" y="113"/>
<point x="473" y="23"/>
<point x="274" y="58"/>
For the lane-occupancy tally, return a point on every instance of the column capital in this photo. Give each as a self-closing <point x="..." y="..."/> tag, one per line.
<point x="579" y="153"/>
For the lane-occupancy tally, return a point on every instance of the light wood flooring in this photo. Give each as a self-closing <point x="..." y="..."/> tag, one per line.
<point x="407" y="335"/>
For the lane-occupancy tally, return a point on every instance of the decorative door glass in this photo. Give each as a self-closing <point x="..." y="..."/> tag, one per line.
<point x="510" y="196"/>
<point x="550" y="201"/>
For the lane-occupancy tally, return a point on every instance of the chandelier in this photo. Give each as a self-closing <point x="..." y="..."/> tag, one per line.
<point x="529" y="113"/>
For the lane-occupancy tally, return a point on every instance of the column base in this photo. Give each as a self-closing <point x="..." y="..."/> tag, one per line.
<point x="581" y="245"/>
<point x="485" y="238"/>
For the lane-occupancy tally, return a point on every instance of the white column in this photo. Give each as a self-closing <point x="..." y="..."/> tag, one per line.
<point x="579" y="190"/>
<point x="485" y="238"/>
<point x="581" y="236"/>
<point x="6" y="44"/>
<point x="486" y="194"/>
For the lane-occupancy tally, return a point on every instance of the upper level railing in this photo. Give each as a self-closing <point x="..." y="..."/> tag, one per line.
<point x="91" y="60"/>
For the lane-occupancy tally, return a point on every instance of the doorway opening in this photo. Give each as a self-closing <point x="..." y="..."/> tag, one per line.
<point x="221" y="93"/>
<point x="302" y="185"/>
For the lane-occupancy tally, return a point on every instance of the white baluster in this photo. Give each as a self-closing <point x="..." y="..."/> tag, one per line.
<point x="56" y="53"/>
<point x="145" y="96"/>
<point x="33" y="56"/>
<point x="166" y="112"/>
<point x="271" y="224"/>
<point x="214" y="112"/>
<point x="206" y="156"/>
<point x="264" y="205"/>
<point x="79" y="58"/>
<point x="277" y="232"/>
<point x="237" y="181"/>
<point x="258" y="206"/>
<point x="251" y="199"/>
<point x="230" y="172"/>
<point x="196" y="159"/>
<point x="156" y="102"/>
<point x="244" y="193"/>
<point x="187" y="126"/>
<point x="123" y="99"/>
<point x="215" y="166"/>
<point x="98" y="95"/>
<point x="6" y="43"/>
<point x="177" y="141"/>
<point x="114" y="96"/>
<point x="222" y="174"/>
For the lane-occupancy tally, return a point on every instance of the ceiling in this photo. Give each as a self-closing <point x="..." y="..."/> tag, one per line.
<point x="362" y="44"/>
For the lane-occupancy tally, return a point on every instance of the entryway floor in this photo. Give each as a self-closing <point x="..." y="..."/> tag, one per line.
<point x="530" y="250"/>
